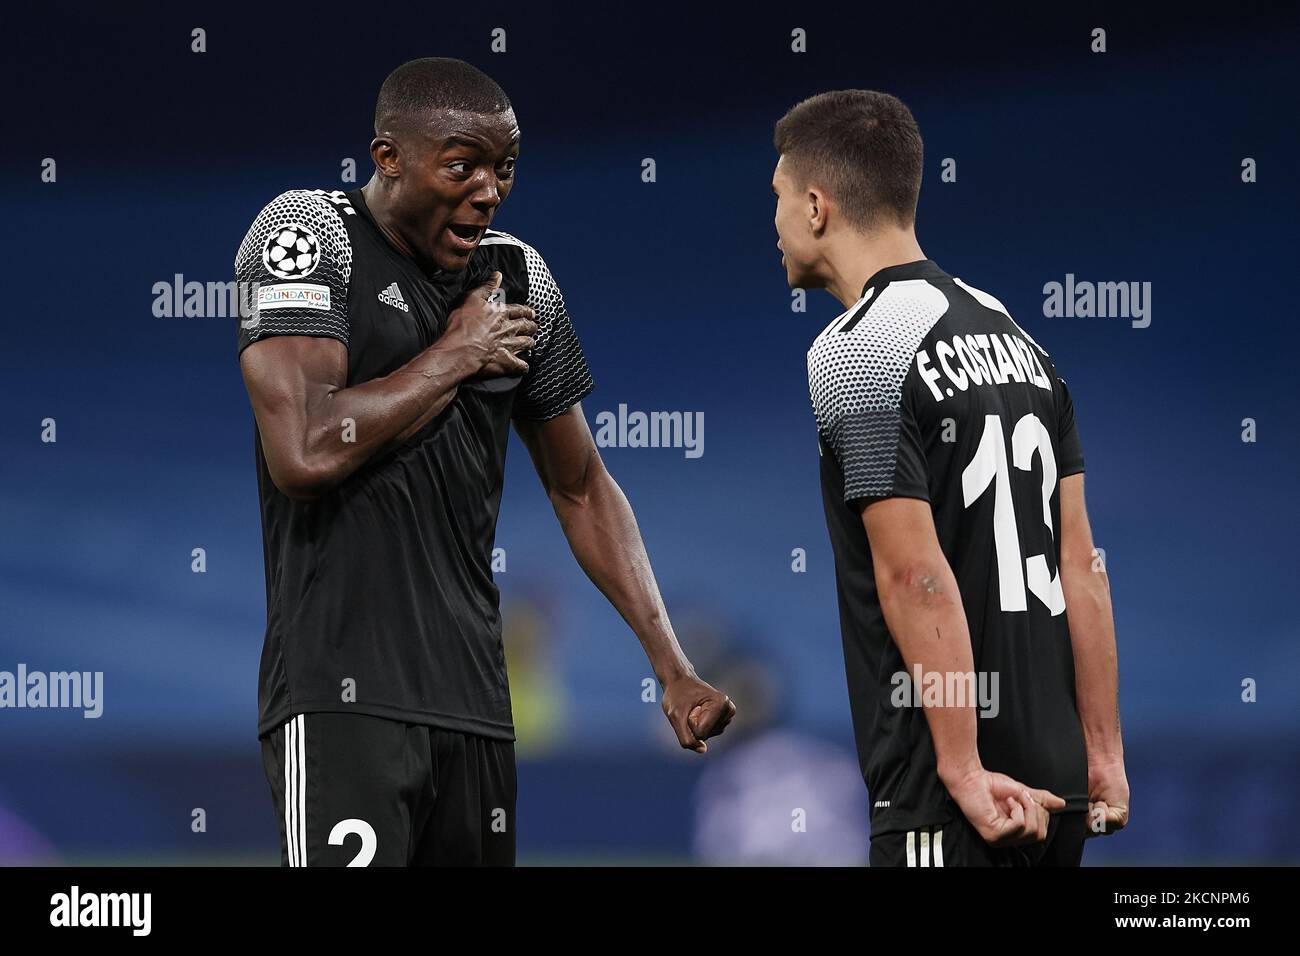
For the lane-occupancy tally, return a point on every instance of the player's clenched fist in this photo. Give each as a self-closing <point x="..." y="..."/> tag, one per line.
<point x="491" y="331"/>
<point x="1107" y="796"/>
<point x="696" y="711"/>
<point x="1003" y="811"/>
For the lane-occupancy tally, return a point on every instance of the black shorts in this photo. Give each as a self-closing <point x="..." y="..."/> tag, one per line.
<point x="957" y="843"/>
<point x="365" y="791"/>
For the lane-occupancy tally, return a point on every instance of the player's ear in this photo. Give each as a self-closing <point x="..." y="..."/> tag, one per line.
<point x="816" y="211"/>
<point x="384" y="151"/>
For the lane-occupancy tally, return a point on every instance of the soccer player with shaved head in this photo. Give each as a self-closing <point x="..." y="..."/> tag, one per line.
<point x="395" y="338"/>
<point x="975" y="616"/>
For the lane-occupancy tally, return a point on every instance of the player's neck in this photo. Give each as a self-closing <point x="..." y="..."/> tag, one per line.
<point x="856" y="257"/>
<point x="377" y="203"/>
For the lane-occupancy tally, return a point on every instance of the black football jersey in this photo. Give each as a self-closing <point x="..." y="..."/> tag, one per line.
<point x="380" y="598"/>
<point x="926" y="388"/>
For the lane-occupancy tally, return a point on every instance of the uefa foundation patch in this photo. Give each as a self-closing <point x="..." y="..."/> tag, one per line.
<point x="293" y="295"/>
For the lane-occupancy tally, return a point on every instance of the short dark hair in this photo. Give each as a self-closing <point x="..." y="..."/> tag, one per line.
<point x="421" y="87"/>
<point x="861" y="146"/>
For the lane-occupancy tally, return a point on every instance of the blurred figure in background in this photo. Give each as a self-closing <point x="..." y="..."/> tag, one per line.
<point x="773" y="795"/>
<point x="538" y="696"/>
<point x="21" y="845"/>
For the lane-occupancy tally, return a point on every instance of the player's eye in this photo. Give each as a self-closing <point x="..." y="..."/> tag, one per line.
<point x="460" y="166"/>
<point x="507" y="169"/>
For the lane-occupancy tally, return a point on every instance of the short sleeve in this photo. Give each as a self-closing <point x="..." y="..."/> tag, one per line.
<point x="293" y="269"/>
<point x="1069" y="447"/>
<point x="866" y="416"/>
<point x="558" y="377"/>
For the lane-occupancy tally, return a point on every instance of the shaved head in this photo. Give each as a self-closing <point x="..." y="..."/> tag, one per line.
<point x="416" y="91"/>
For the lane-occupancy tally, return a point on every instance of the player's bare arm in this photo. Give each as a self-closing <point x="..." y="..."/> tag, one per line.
<point x="602" y="531"/>
<point x="297" y="386"/>
<point x="1096" y="662"/>
<point x="923" y="610"/>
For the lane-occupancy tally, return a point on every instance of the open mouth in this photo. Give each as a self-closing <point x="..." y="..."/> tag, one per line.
<point x="465" y="235"/>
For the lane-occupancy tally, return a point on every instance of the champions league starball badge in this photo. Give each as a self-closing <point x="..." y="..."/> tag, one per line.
<point x="291" y="252"/>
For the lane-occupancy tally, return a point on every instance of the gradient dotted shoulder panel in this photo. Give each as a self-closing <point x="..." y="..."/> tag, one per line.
<point x="856" y="370"/>
<point x="297" y="251"/>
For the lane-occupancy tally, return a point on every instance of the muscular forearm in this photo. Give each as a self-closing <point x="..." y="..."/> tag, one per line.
<point x="923" y="611"/>
<point x="316" y="430"/>
<point x="603" y="533"/>
<point x="1096" y="663"/>
<point x="346" y="427"/>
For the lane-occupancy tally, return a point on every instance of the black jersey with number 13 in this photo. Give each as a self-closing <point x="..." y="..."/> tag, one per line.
<point x="926" y="388"/>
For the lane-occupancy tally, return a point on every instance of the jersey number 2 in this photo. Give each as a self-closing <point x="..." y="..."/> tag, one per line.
<point x="989" y="466"/>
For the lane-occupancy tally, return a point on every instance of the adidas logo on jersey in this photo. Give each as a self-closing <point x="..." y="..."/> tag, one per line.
<point x="393" y="296"/>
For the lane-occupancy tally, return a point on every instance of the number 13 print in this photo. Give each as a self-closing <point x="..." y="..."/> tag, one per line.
<point x="989" y="466"/>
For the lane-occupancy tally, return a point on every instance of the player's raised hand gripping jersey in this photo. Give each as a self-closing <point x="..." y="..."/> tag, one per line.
<point x="926" y="388"/>
<point x="385" y="582"/>
<point x="557" y="370"/>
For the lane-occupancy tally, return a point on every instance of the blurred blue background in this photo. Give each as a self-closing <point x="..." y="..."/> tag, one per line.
<point x="1122" y="166"/>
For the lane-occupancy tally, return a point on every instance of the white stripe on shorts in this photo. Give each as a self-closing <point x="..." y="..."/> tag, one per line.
<point x="295" y="790"/>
